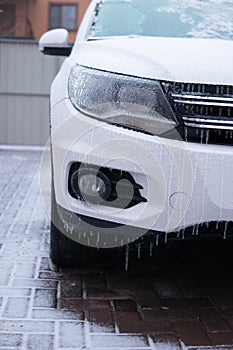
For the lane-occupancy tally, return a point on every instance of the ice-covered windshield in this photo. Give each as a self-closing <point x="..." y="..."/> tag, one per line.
<point x="166" y="18"/>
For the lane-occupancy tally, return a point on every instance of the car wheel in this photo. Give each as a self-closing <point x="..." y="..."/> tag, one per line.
<point x="65" y="252"/>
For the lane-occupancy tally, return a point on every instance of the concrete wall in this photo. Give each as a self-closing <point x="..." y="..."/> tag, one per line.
<point x="25" y="79"/>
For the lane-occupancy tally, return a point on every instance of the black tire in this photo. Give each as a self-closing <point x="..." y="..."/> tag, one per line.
<point x="65" y="252"/>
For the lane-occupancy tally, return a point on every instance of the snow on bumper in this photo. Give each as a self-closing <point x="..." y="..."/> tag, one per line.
<point x="184" y="183"/>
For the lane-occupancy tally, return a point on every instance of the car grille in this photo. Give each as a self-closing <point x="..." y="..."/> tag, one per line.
<point x="203" y="108"/>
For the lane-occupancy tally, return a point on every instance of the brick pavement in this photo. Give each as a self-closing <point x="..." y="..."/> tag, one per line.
<point x="180" y="298"/>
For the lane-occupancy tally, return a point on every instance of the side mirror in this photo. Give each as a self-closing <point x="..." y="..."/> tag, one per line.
<point x="55" y="42"/>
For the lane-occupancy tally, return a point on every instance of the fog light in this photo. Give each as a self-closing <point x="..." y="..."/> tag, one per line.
<point x="91" y="184"/>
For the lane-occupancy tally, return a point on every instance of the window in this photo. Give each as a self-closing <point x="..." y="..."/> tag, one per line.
<point x="64" y="16"/>
<point x="165" y="18"/>
<point x="7" y="20"/>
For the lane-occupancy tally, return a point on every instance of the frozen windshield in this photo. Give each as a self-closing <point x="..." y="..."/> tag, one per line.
<point x="166" y="18"/>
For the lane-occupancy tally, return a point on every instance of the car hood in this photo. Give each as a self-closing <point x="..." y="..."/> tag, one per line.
<point x="207" y="61"/>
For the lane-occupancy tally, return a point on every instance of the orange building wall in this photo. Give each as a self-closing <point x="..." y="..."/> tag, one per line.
<point x="39" y="15"/>
<point x="21" y="27"/>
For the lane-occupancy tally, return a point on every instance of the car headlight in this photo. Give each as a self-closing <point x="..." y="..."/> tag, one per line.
<point x="119" y="99"/>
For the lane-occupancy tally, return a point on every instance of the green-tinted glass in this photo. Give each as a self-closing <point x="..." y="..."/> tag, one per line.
<point x="166" y="18"/>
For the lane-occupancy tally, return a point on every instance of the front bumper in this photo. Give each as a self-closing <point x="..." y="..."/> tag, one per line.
<point x="184" y="183"/>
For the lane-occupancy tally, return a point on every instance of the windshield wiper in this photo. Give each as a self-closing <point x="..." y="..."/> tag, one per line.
<point x="95" y="38"/>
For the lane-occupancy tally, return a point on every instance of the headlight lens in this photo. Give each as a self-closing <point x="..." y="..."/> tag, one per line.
<point x="123" y="100"/>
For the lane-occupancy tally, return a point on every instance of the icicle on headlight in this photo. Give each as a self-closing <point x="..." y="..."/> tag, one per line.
<point x="132" y="102"/>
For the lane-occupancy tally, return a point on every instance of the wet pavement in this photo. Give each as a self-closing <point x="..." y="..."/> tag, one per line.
<point x="181" y="297"/>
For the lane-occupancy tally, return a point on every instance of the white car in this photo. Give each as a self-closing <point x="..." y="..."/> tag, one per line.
<point x="141" y="123"/>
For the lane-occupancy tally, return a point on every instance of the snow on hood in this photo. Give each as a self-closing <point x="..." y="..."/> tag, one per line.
<point x="173" y="59"/>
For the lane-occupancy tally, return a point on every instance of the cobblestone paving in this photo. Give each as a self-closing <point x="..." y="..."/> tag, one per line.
<point x="180" y="298"/>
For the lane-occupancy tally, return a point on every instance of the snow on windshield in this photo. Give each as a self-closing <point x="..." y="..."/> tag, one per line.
<point x="166" y="18"/>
